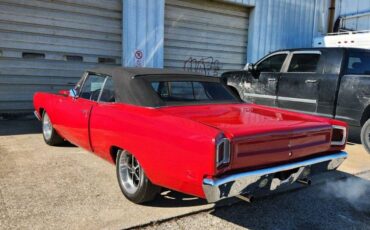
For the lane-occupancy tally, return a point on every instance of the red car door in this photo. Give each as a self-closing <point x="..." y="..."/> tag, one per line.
<point x="74" y="112"/>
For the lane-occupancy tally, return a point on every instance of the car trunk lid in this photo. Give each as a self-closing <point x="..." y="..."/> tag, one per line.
<point x="260" y="135"/>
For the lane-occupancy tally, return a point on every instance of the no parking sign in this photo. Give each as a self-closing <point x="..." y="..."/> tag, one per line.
<point x="139" y="57"/>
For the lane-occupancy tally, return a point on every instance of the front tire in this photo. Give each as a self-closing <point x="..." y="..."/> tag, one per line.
<point x="365" y="135"/>
<point x="51" y="137"/>
<point x="132" y="179"/>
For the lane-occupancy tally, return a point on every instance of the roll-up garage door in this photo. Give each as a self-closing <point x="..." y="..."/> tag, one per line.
<point x="205" y="36"/>
<point x="46" y="44"/>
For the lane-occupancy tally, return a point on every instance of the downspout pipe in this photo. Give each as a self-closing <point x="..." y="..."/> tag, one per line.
<point x="331" y="16"/>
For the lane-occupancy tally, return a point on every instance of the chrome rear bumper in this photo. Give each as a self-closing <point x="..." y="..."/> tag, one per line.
<point x="249" y="182"/>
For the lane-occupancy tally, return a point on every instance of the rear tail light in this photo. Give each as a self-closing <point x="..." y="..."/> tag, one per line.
<point x="222" y="151"/>
<point x="339" y="135"/>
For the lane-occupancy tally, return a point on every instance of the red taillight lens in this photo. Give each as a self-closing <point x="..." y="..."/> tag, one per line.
<point x="221" y="152"/>
<point x="337" y="135"/>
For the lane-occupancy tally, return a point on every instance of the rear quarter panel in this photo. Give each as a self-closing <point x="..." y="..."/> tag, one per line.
<point x="175" y="153"/>
<point x="47" y="102"/>
<point x="44" y="102"/>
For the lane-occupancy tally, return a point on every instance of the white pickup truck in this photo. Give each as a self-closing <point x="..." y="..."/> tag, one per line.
<point x="350" y="39"/>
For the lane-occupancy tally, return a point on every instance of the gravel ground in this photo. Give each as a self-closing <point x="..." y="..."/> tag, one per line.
<point x="343" y="204"/>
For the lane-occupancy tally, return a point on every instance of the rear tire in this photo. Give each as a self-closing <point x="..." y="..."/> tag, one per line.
<point x="132" y="179"/>
<point x="51" y="137"/>
<point x="365" y="136"/>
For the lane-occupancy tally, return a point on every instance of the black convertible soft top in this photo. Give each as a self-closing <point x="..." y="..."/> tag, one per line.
<point x="131" y="84"/>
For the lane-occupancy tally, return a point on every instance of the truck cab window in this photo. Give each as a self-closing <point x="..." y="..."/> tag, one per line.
<point x="272" y="64"/>
<point x="92" y="87"/>
<point x="304" y="63"/>
<point x="359" y="63"/>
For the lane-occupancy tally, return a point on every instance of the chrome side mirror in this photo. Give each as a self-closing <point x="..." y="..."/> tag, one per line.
<point x="73" y="93"/>
<point x="64" y="92"/>
<point x="249" y="67"/>
<point x="252" y="68"/>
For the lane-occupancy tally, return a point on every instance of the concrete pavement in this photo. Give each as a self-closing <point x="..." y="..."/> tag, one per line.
<point x="341" y="204"/>
<point x="44" y="187"/>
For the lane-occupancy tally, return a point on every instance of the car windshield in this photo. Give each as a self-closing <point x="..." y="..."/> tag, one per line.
<point x="179" y="92"/>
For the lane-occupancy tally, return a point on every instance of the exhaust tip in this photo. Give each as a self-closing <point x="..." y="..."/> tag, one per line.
<point x="304" y="181"/>
<point x="246" y="198"/>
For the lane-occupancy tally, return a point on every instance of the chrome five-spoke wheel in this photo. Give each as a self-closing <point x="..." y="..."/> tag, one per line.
<point x="130" y="172"/>
<point x="51" y="137"/>
<point x="132" y="179"/>
<point x="47" y="128"/>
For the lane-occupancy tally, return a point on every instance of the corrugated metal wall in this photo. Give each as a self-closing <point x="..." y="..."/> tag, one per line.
<point x="143" y="28"/>
<point x="59" y="30"/>
<point x="352" y="7"/>
<point x="45" y="45"/>
<point x="284" y="24"/>
<point x="242" y="2"/>
<point x="205" y="36"/>
<point x="273" y="24"/>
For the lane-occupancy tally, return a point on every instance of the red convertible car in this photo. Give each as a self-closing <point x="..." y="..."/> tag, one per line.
<point x="188" y="133"/>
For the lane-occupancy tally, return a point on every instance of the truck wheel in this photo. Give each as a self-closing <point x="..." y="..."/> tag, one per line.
<point x="132" y="179"/>
<point x="51" y="137"/>
<point x="365" y="135"/>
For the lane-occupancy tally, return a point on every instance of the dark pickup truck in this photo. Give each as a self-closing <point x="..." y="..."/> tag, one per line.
<point x="329" y="82"/>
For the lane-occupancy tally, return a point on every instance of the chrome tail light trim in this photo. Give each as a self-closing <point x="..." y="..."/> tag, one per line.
<point x="223" y="144"/>
<point x="344" y="138"/>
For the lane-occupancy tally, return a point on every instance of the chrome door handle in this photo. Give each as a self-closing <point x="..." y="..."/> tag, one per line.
<point x="271" y="79"/>
<point x="310" y="81"/>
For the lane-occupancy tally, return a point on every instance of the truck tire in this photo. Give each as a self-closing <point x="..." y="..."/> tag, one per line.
<point x="365" y="136"/>
<point x="235" y="92"/>
<point x="51" y="137"/>
<point x="132" y="180"/>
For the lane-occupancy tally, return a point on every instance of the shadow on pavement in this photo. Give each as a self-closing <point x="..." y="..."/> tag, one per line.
<point x="340" y="204"/>
<point x="22" y="125"/>
<point x="170" y="199"/>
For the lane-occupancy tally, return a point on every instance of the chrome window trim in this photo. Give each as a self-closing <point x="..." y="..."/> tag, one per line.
<point x="273" y="54"/>
<point x="102" y="88"/>
<point x="290" y="56"/>
<point x="87" y="74"/>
